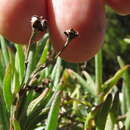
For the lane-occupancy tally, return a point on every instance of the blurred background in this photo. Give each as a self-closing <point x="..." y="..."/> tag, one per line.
<point x="117" y="43"/>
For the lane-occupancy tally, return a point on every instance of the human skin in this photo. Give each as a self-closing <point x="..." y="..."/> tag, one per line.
<point x="15" y="17"/>
<point x="85" y="16"/>
<point x="120" y="6"/>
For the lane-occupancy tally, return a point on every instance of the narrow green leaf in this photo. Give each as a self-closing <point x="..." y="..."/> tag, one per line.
<point x="24" y="102"/>
<point x="45" y="73"/>
<point x="40" y="49"/>
<point x="44" y="54"/>
<point x="40" y="109"/>
<point x="124" y="101"/>
<point x="30" y="65"/>
<point x="52" y="120"/>
<point x="126" y="83"/>
<point x="16" y="83"/>
<point x="36" y="119"/>
<point x="2" y="69"/>
<point x="56" y="72"/>
<point x="127" y="121"/>
<point x="2" y="61"/>
<point x="20" y="62"/>
<point x="8" y="97"/>
<point x="16" y="125"/>
<point x="101" y="116"/>
<point x="112" y="81"/>
<point x="36" y="102"/>
<point x="51" y="99"/>
<point x="81" y="81"/>
<point x="114" y="111"/>
<point x="89" y="81"/>
<point x="109" y="124"/>
<point x="4" y="50"/>
<point x="4" y="122"/>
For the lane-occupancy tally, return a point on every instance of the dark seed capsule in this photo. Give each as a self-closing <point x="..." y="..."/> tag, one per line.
<point x="71" y="33"/>
<point x="38" y="23"/>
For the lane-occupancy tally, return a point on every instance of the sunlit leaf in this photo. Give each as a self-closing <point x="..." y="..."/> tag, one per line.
<point x="7" y="86"/>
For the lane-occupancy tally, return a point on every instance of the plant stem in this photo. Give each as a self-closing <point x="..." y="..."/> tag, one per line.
<point x="31" y="41"/>
<point x="65" y="46"/>
<point x="98" y="71"/>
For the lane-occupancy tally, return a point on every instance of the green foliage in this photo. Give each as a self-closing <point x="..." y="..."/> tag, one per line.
<point x="7" y="87"/>
<point x="101" y="116"/>
<point x="39" y="91"/>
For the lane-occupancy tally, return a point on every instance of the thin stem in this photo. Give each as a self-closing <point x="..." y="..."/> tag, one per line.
<point x="98" y="71"/>
<point x="64" y="47"/>
<point x="49" y="62"/>
<point x="38" y="25"/>
<point x="70" y="34"/>
<point x="31" y="41"/>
